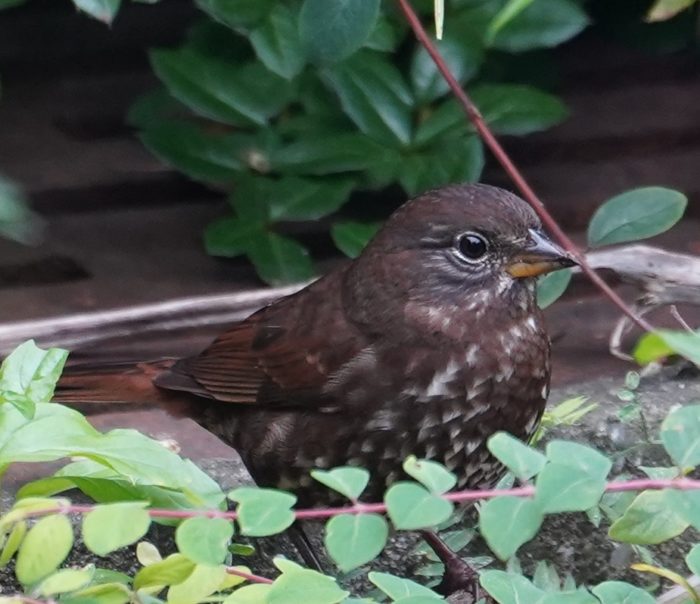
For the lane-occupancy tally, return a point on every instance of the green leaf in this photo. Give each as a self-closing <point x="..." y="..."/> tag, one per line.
<point x="649" y="520"/>
<point x="410" y="506"/>
<point x="111" y="593"/>
<point x="307" y="199"/>
<point x="351" y="237"/>
<point x="17" y="222"/>
<point x="29" y="374"/>
<point x="239" y="95"/>
<point x="276" y="42"/>
<point x="542" y="24"/>
<point x="171" y="571"/>
<point x="204" y="540"/>
<point x="551" y="287"/>
<point x="580" y="457"/>
<point x="508" y="522"/>
<point x="263" y="512"/>
<point x="355" y="539"/>
<point x="44" y="548"/>
<point x="636" y="214"/>
<point x="516" y="109"/>
<point x="231" y="237"/>
<point x="237" y="14"/>
<point x="249" y="594"/>
<point x="508" y="12"/>
<point x="525" y="462"/>
<point x="280" y="260"/>
<point x="10" y="3"/>
<point x="374" y="95"/>
<point x="619" y="592"/>
<point x="680" y="435"/>
<point x="432" y="475"/>
<point x="102" y="10"/>
<point x="116" y="525"/>
<point x="651" y="347"/>
<point x="12" y="542"/>
<point x="65" y="581"/>
<point x="686" y="504"/>
<point x="509" y="588"/>
<point x="662" y="10"/>
<point x="397" y="588"/>
<point x="297" y="584"/>
<point x="563" y="488"/>
<point x="346" y="481"/>
<point x="332" y="31"/>
<point x="693" y="559"/>
<point x="203" y="581"/>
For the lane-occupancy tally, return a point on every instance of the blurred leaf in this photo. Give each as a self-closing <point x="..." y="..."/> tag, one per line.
<point x="65" y="581"/>
<point x="355" y="539"/>
<point x="204" y="540"/>
<point x="239" y="95"/>
<point x="333" y="30"/>
<point x="102" y="10"/>
<point x="263" y="512"/>
<point x="542" y="24"/>
<point x="551" y="287"/>
<point x="410" y="506"/>
<point x="44" y="548"/>
<point x="397" y="587"/>
<point x="680" y="435"/>
<point x="231" y="237"/>
<point x="508" y="522"/>
<point x="347" y="481"/>
<point x="516" y="109"/>
<point x="237" y="14"/>
<point x="432" y="475"/>
<point x="297" y="584"/>
<point x="10" y="3"/>
<point x="203" y="581"/>
<point x="352" y="237"/>
<point x="563" y="488"/>
<point x="619" y="592"/>
<point x="386" y="35"/>
<point x="662" y="10"/>
<point x="307" y="199"/>
<point x="173" y="569"/>
<point x="17" y="222"/>
<point x="153" y="108"/>
<point x="280" y="260"/>
<point x="648" y="520"/>
<point x="525" y="462"/>
<point x="12" y="541"/>
<point x="111" y="593"/>
<point x="276" y="42"/>
<point x="509" y="11"/>
<point x="635" y="215"/>
<point x="113" y="526"/>
<point x="374" y="95"/>
<point x="693" y="559"/>
<point x="579" y="456"/>
<point x="510" y="588"/>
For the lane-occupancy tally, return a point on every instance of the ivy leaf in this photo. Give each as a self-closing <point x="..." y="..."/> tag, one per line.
<point x="397" y="588"/>
<point x="542" y="24"/>
<point x="619" y="592"/>
<point x="277" y="43"/>
<point x="347" y="481"/>
<point x="434" y="476"/>
<point x="635" y="215"/>
<point x="239" y="14"/>
<point x="525" y="462"/>
<point x="102" y="10"/>
<point x="374" y="95"/>
<point x="680" y="435"/>
<point x="410" y="506"/>
<point x="516" y="109"/>
<point x="280" y="260"/>
<point x="204" y="540"/>
<point x="10" y="3"/>
<point x="44" y="548"/>
<point x="648" y="520"/>
<point x="552" y="286"/>
<point x="351" y="237"/>
<point x="686" y="504"/>
<point x="332" y="31"/>
<point x="112" y="526"/>
<point x="263" y="512"/>
<point x="508" y="522"/>
<point x="355" y="539"/>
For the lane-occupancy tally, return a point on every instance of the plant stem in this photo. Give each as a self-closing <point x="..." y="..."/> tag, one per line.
<point x="492" y="143"/>
<point x="247" y="576"/>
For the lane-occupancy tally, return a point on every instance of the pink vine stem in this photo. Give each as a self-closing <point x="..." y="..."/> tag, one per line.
<point x="516" y="176"/>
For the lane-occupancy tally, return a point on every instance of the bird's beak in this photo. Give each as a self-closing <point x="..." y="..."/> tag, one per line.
<point x="538" y="256"/>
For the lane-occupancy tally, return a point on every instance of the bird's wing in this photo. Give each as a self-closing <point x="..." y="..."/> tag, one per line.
<point x="282" y="355"/>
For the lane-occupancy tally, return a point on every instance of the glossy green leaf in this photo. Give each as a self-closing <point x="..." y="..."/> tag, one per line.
<point x="172" y="570"/>
<point x="635" y="215"/>
<point x="508" y="522"/>
<point x="237" y="14"/>
<point x="351" y="237"/>
<point x="552" y="286"/>
<point x="397" y="587"/>
<point x="516" y="109"/>
<point x="355" y="539"/>
<point x="308" y="199"/>
<point x="542" y="24"/>
<point x="44" y="548"/>
<point x="432" y="475"/>
<point x="509" y="11"/>
<point x="411" y="506"/>
<point x="619" y="592"/>
<point x="102" y="10"/>
<point x="65" y="581"/>
<point x="648" y="520"/>
<point x="651" y="347"/>
<point x="563" y="488"/>
<point x="680" y="435"/>
<point x="238" y="95"/>
<point x="203" y="581"/>
<point x="204" y="540"/>
<point x="347" y="481"/>
<point x="116" y="525"/>
<point x="263" y="512"/>
<point x="332" y="30"/>
<point x="297" y="584"/>
<point x="520" y="459"/>
<point x="280" y="260"/>
<point x="277" y="43"/>
<point x="374" y="95"/>
<point x="10" y="3"/>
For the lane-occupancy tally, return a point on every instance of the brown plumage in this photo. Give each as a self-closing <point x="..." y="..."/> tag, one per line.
<point x="426" y="344"/>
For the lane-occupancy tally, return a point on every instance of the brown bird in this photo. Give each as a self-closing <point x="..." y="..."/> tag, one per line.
<point x="426" y="344"/>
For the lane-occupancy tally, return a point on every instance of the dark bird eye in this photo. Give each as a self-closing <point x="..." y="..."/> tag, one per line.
<point x="472" y="246"/>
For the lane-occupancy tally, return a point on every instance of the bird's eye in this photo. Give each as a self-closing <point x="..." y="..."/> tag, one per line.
<point x="471" y="246"/>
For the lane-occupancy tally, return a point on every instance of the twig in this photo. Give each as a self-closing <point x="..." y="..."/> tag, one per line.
<point x="492" y="143"/>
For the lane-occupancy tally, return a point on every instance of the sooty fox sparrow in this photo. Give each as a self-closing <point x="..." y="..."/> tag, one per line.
<point x="426" y="344"/>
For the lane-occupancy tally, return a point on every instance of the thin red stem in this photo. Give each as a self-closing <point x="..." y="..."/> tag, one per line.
<point x="248" y="576"/>
<point x="492" y="143"/>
